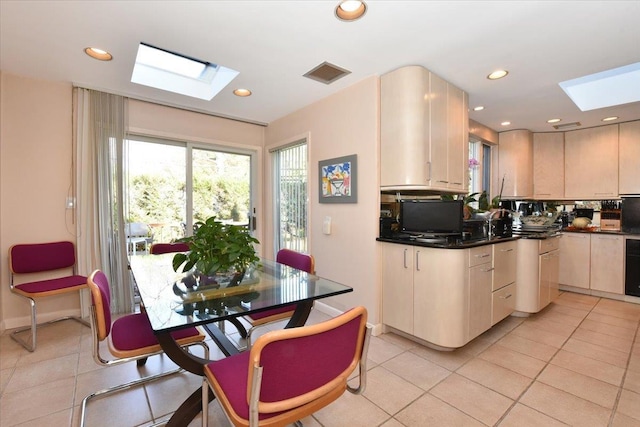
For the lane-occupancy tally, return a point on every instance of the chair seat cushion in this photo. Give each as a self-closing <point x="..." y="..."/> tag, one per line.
<point x="52" y="285"/>
<point x="232" y="374"/>
<point x="268" y="313"/>
<point x="133" y="332"/>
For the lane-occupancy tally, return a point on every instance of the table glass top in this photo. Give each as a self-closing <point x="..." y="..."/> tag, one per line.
<point x="175" y="300"/>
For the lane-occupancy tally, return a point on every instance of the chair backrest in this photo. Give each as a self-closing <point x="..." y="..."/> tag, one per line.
<point x="304" y="262"/>
<point x="37" y="257"/>
<point x="166" y="248"/>
<point x="300" y="365"/>
<point x="101" y="301"/>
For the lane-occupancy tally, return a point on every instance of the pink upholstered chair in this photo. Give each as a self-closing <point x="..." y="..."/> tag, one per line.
<point x="166" y="248"/>
<point x="291" y="373"/>
<point x="304" y="262"/>
<point x="27" y="262"/>
<point x="129" y="338"/>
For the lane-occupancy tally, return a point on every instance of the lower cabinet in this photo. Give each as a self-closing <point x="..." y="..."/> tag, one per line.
<point x="446" y="297"/>
<point x="592" y="261"/>
<point x="607" y="263"/>
<point x="538" y="270"/>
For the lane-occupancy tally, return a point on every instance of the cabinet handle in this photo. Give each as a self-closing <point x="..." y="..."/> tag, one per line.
<point x="456" y="183"/>
<point x="543" y="194"/>
<point x="506" y="250"/>
<point x="488" y="270"/>
<point x="482" y="256"/>
<point x="506" y="296"/>
<point x="604" y="193"/>
<point x="429" y="174"/>
<point x="405" y="258"/>
<point x="444" y="182"/>
<point x="417" y="260"/>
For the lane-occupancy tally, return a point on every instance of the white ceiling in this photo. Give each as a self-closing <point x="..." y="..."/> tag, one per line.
<point x="273" y="43"/>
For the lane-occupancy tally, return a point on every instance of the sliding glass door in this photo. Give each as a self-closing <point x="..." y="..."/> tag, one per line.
<point x="171" y="185"/>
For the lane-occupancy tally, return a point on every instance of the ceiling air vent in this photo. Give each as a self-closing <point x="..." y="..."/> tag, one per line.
<point x="327" y="73"/>
<point x="567" y="125"/>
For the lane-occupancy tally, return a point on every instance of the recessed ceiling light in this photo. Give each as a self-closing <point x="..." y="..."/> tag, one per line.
<point x="242" y="92"/>
<point x="350" y="10"/>
<point x="608" y="119"/>
<point x="99" y="54"/>
<point x="478" y="108"/>
<point x="498" y="74"/>
<point x="554" y="120"/>
<point x="505" y="123"/>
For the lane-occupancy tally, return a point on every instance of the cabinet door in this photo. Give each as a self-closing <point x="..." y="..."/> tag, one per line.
<point x="544" y="295"/>
<point x="439" y="134"/>
<point x="504" y="301"/>
<point x="458" y="139"/>
<point x="397" y="286"/>
<point x="591" y="163"/>
<point x="575" y="255"/>
<point x="548" y="166"/>
<point x="607" y="263"/>
<point x="515" y="163"/>
<point x="504" y="264"/>
<point x="629" y="158"/>
<point x="480" y="299"/>
<point x="404" y="127"/>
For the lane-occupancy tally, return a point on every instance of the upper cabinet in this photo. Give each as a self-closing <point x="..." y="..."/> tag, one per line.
<point x="515" y="164"/>
<point x="629" y="158"/>
<point x="548" y="166"/>
<point x="591" y="163"/>
<point x="423" y="132"/>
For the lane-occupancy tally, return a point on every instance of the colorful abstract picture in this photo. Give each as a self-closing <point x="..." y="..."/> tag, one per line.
<point x="338" y="180"/>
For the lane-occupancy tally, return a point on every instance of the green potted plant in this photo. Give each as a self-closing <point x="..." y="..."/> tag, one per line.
<point x="217" y="248"/>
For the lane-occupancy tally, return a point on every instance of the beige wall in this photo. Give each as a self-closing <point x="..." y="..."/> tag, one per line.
<point x="342" y="124"/>
<point x="35" y="171"/>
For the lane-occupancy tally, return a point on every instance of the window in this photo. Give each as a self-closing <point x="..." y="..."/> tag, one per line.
<point x="171" y="185"/>
<point x="290" y="191"/>
<point x="479" y="167"/>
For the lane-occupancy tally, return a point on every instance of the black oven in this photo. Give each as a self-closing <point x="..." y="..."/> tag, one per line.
<point x="630" y="221"/>
<point x="632" y="268"/>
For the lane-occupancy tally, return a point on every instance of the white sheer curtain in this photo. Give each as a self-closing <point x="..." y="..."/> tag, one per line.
<point x="99" y="134"/>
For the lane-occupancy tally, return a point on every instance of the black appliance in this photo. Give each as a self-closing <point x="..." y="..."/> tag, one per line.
<point x="630" y="215"/>
<point x="433" y="217"/>
<point x="583" y="213"/>
<point x="502" y="227"/>
<point x="632" y="270"/>
<point x="388" y="226"/>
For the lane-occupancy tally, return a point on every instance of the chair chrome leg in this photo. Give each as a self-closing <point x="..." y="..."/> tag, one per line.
<point x="298" y="424"/>
<point x="205" y="403"/>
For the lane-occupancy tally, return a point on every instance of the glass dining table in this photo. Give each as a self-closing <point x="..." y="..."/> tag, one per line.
<point x="174" y="301"/>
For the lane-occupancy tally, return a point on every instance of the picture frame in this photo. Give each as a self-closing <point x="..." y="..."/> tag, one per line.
<point x="338" y="180"/>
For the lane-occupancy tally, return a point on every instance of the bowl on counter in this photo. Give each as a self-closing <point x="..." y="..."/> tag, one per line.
<point x="539" y="220"/>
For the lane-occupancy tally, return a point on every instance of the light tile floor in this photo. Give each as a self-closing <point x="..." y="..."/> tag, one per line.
<point x="575" y="363"/>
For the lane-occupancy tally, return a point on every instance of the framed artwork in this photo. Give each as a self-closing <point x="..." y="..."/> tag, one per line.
<point x="338" y="180"/>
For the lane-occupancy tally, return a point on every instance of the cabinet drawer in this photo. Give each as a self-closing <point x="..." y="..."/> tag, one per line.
<point x="503" y="304"/>
<point x="504" y="264"/>
<point x="480" y="255"/>
<point x="550" y="244"/>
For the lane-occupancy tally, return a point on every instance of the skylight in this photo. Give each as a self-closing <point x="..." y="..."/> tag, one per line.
<point x="177" y="73"/>
<point x="605" y="89"/>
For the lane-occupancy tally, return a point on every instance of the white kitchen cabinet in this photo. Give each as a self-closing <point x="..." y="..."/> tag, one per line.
<point x="548" y="166"/>
<point x="445" y="296"/>
<point x="480" y="299"/>
<point x="607" y="263"/>
<point x="397" y="292"/>
<point x="423" y="132"/>
<point x="504" y="280"/>
<point x="536" y="274"/>
<point x="515" y="163"/>
<point x="591" y="163"/>
<point x="629" y="158"/>
<point x="575" y="256"/>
